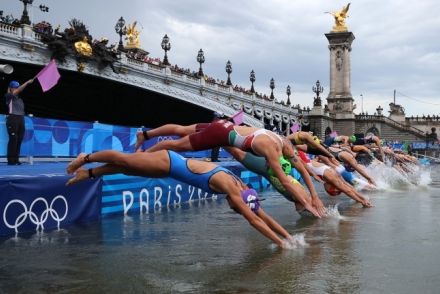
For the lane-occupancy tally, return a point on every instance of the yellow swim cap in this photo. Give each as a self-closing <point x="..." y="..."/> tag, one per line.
<point x="316" y="139"/>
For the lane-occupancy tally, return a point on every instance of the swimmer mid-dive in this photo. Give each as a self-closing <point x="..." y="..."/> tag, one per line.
<point x="331" y="177"/>
<point x="258" y="165"/>
<point x="346" y="157"/>
<point x="204" y="175"/>
<point x="370" y="140"/>
<point x="312" y="143"/>
<point x="223" y="133"/>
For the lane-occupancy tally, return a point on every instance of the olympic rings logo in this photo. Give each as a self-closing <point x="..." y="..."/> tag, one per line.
<point x="164" y="138"/>
<point x="37" y="220"/>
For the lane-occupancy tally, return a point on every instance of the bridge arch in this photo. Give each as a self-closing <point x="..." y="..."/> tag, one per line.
<point x="373" y="130"/>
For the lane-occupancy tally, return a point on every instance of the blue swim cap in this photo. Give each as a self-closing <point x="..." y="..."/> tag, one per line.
<point x="347" y="176"/>
<point x="250" y="197"/>
<point x="14" y="84"/>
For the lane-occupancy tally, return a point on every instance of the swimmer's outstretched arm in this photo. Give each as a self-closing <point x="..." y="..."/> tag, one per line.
<point x="382" y="154"/>
<point x="272" y="160"/>
<point x="235" y="202"/>
<point x="347" y="157"/>
<point x="273" y="224"/>
<point x="302" y="169"/>
<point x="336" y="180"/>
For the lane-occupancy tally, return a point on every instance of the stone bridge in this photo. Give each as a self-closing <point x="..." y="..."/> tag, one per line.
<point x="21" y="45"/>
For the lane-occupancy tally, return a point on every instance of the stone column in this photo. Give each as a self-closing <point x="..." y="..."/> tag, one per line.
<point x="340" y="99"/>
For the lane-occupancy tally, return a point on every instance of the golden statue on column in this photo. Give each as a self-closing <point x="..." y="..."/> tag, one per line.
<point x="132" y="37"/>
<point x="340" y="17"/>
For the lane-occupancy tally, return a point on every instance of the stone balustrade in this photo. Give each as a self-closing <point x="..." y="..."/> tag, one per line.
<point x="9" y="29"/>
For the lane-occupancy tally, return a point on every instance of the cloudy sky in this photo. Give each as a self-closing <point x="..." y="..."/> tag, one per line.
<point x="396" y="46"/>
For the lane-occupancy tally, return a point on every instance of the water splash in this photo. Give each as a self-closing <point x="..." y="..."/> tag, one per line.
<point x="332" y="212"/>
<point x="388" y="178"/>
<point x="295" y="242"/>
<point x="425" y="177"/>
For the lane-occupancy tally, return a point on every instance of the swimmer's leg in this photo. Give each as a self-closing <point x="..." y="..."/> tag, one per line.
<point x="165" y="130"/>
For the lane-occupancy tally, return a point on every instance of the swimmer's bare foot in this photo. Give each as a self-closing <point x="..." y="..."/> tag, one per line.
<point x="76" y="163"/>
<point x="140" y="139"/>
<point x="80" y="175"/>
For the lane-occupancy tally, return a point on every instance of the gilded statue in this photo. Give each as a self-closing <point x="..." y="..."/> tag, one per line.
<point x="132" y="36"/>
<point x="340" y="17"/>
<point x="83" y="47"/>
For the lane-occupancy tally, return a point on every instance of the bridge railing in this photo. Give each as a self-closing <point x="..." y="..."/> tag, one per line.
<point x="193" y="79"/>
<point x="154" y="67"/>
<point x="9" y="29"/>
<point x="392" y="122"/>
<point x="404" y="127"/>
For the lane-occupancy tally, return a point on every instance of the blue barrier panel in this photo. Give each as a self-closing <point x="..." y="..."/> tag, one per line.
<point x="125" y="194"/>
<point x="40" y="203"/>
<point x="50" y="137"/>
<point x="423" y="145"/>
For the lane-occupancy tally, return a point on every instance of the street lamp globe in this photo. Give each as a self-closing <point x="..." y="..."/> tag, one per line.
<point x="166" y="46"/>
<point x="121" y="30"/>
<point x="25" y="16"/>
<point x="229" y="71"/>
<point x="272" y="86"/>
<point x="200" y="60"/>
<point x="252" y="79"/>
<point x="288" y="92"/>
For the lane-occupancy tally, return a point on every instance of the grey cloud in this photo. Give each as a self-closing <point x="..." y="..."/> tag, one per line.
<point x="396" y="43"/>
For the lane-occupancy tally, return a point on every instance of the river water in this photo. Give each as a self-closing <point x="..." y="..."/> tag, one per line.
<point x="204" y="247"/>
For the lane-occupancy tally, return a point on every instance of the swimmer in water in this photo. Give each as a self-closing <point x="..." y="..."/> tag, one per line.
<point x="204" y="175"/>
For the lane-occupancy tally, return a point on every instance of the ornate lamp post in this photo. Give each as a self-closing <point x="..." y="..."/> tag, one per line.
<point x="200" y="60"/>
<point x="166" y="46"/>
<point x="272" y="86"/>
<point x="252" y="79"/>
<point x="121" y="30"/>
<point x="288" y="92"/>
<point x="25" y="16"/>
<point x="317" y="90"/>
<point x="362" y="104"/>
<point x="229" y="71"/>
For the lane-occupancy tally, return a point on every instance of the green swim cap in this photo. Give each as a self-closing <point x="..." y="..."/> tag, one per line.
<point x="285" y="165"/>
<point x="353" y="139"/>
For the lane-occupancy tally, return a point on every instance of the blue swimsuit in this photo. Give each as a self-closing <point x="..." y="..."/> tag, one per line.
<point x="179" y="170"/>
